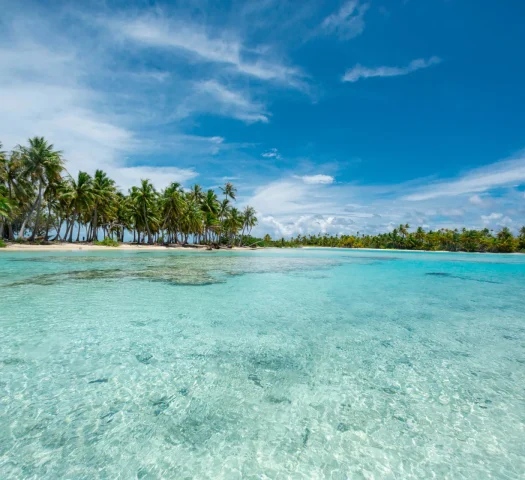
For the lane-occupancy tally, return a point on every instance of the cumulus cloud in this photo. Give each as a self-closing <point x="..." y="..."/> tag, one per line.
<point x="476" y="200"/>
<point x="359" y="71"/>
<point x="292" y="206"/>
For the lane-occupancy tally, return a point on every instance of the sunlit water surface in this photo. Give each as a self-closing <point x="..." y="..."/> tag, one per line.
<point x="262" y="365"/>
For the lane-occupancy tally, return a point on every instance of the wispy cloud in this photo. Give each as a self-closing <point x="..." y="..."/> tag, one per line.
<point x="272" y="153"/>
<point x="348" y="22"/>
<point x="317" y="179"/>
<point x="504" y="173"/>
<point x="198" y="42"/>
<point x="46" y="89"/>
<point x="234" y="103"/>
<point x="358" y="71"/>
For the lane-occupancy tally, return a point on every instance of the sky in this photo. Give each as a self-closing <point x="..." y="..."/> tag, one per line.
<point x="328" y="116"/>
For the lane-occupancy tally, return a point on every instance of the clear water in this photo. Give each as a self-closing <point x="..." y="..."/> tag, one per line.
<point x="262" y="365"/>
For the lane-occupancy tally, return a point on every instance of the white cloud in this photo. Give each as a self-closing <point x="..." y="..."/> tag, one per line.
<point x="504" y="173"/>
<point x="198" y="42"/>
<point x="317" y="179"/>
<point x="476" y="200"/>
<point x="497" y="220"/>
<point x="492" y="216"/>
<point x="358" y="71"/>
<point x="45" y="90"/>
<point x="348" y="22"/>
<point x="158" y="32"/>
<point x="290" y="206"/>
<point x="234" y="103"/>
<point x="272" y="153"/>
<point x="159" y="176"/>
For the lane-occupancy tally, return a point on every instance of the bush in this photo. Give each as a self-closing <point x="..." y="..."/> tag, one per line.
<point x="20" y="240"/>
<point x="108" y="242"/>
<point x="3" y="244"/>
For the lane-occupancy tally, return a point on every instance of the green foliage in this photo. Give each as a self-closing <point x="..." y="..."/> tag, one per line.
<point x="20" y="240"/>
<point x="400" y="238"/>
<point x="40" y="198"/>
<point x="2" y="244"/>
<point x="107" y="242"/>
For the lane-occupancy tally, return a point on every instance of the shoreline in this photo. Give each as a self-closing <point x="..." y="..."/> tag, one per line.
<point x="74" y="247"/>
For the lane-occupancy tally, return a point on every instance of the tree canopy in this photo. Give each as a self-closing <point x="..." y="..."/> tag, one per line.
<point x="40" y="200"/>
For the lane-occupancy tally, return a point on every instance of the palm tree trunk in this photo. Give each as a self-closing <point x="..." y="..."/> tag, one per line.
<point x="28" y="216"/>
<point x="72" y="226"/>
<point x="146" y="222"/>
<point x="94" y="225"/>
<point x="48" y="220"/>
<point x="38" y="207"/>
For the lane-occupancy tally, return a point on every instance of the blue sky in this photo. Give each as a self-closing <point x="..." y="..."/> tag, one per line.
<point x="328" y="116"/>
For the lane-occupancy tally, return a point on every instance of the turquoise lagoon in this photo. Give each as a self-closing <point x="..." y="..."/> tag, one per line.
<point x="274" y="364"/>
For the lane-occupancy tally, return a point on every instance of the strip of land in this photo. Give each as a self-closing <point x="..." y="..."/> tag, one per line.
<point x="67" y="247"/>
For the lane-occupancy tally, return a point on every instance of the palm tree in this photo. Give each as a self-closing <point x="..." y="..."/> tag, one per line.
<point x="232" y="224"/>
<point x="19" y="189"/>
<point x="229" y="191"/>
<point x="103" y="199"/>
<point x="210" y="207"/>
<point x="81" y="196"/>
<point x="42" y="164"/>
<point x="196" y="193"/>
<point x="144" y="198"/>
<point x="191" y="220"/>
<point x="249" y="220"/>
<point x="6" y="209"/>
<point x="173" y="205"/>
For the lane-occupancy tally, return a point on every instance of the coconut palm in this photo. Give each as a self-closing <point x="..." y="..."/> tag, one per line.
<point x="210" y="207"/>
<point x="173" y="205"/>
<point x="229" y="191"/>
<point x="6" y="209"/>
<point x="232" y="224"/>
<point x="191" y="221"/>
<point x="144" y="199"/>
<point x="103" y="200"/>
<point x="41" y="164"/>
<point x="81" y="197"/>
<point x="249" y="220"/>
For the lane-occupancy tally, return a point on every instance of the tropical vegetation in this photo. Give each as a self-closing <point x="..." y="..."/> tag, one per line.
<point x="40" y="201"/>
<point x="464" y="240"/>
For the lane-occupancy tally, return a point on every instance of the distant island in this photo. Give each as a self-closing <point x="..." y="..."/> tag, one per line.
<point x="400" y="238"/>
<point x="41" y="204"/>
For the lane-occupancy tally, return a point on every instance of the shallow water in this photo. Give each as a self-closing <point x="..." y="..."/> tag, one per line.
<point x="265" y="365"/>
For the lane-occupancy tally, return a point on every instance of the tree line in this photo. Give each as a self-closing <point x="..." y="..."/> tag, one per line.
<point x="464" y="240"/>
<point x="41" y="201"/>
